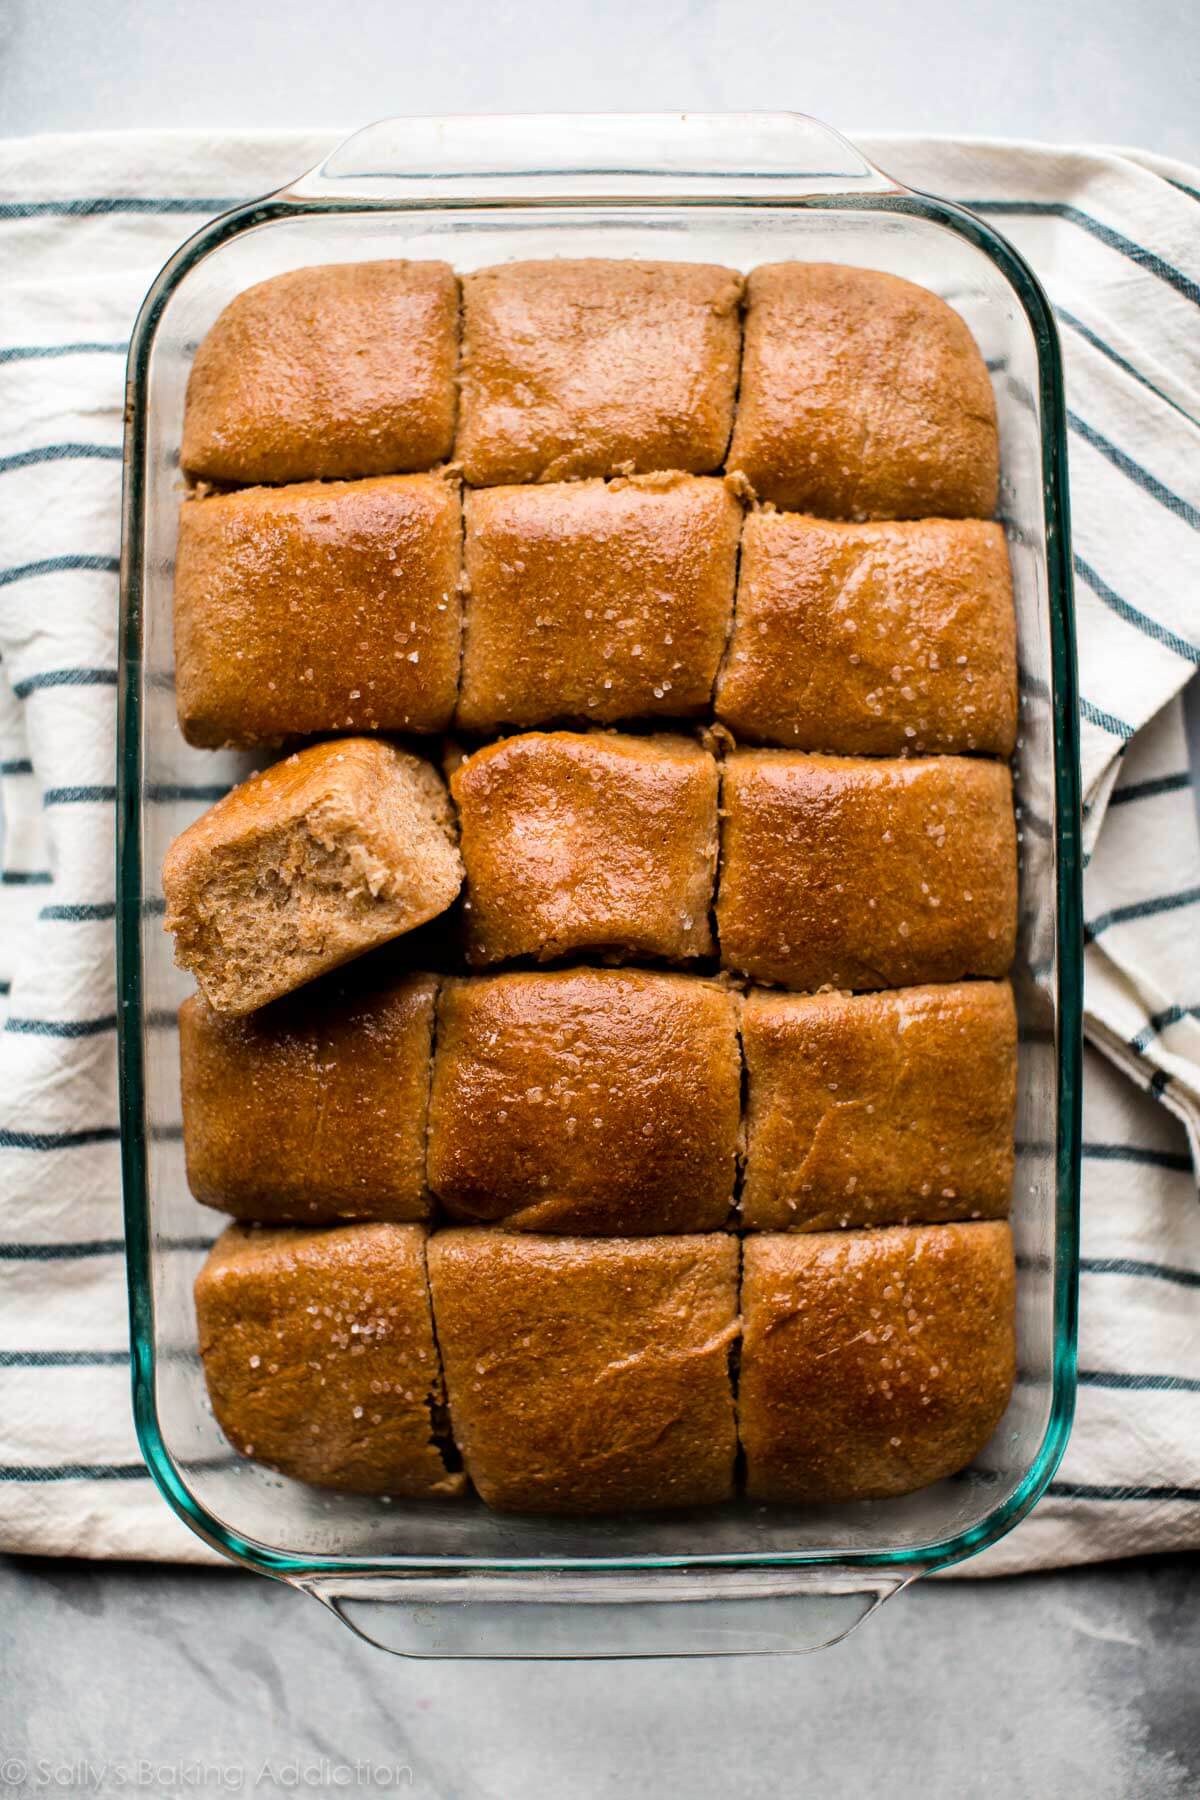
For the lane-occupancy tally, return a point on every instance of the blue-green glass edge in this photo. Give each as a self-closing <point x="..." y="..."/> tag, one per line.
<point x="1069" y="923"/>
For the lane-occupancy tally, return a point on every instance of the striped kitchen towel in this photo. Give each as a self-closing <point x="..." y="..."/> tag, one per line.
<point x="84" y="226"/>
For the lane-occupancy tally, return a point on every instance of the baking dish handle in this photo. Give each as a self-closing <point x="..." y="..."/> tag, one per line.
<point x="536" y="1616"/>
<point x="545" y="157"/>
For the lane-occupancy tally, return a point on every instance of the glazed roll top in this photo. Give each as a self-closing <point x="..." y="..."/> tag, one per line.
<point x="320" y="1358"/>
<point x="311" y="1110"/>
<point x="862" y="396"/>
<point x="597" y="367"/>
<point x="328" y="606"/>
<point x="881" y="639"/>
<point x="873" y="1363"/>
<point x="601" y="1101"/>
<point x="596" y="601"/>
<point x="849" y="872"/>
<point x="589" y="1375"/>
<point x="588" y="842"/>
<point x="341" y="370"/>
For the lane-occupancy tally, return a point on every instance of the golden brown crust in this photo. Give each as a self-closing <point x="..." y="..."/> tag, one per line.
<point x="590" y="367"/>
<point x="314" y="1109"/>
<point x="595" y="601"/>
<point x="588" y="841"/>
<point x="878" y="1109"/>
<point x="320" y="1359"/>
<point x="862" y="396"/>
<point x="592" y="1101"/>
<point x="589" y="1376"/>
<point x="873" y="639"/>
<point x="327" y="606"/>
<point x="315" y="860"/>
<point x="856" y="873"/>
<point x="873" y="1363"/>
<point x="341" y="370"/>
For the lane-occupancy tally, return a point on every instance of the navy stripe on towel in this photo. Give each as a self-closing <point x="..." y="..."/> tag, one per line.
<point x="35" y="1472"/>
<point x="45" y="453"/>
<point x="1137" y="1153"/>
<point x="105" y="206"/>
<point x="74" y="1472"/>
<point x="1106" y="349"/>
<point x="1074" y="1490"/>
<point x="1105" y="720"/>
<point x="58" y="1140"/>
<point x="75" y="796"/>
<point x="1117" y="1378"/>
<point x="1138" y="909"/>
<point x="1159" y="1021"/>
<point x="165" y="791"/>
<point x="53" y="678"/>
<point x="81" y="911"/>
<point x="77" y="1028"/>
<point x="38" y="352"/>
<point x="1130" y="1265"/>
<point x="1146" y="790"/>
<point x="63" y="1028"/>
<point x="1160" y="633"/>
<point x="59" y="565"/>
<point x="87" y="1247"/>
<point x="1119" y="458"/>
<point x="1115" y="240"/>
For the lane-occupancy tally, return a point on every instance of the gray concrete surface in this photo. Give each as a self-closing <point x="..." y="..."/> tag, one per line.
<point x="1072" y="1687"/>
<point x="1066" y="71"/>
<point x="125" y="1680"/>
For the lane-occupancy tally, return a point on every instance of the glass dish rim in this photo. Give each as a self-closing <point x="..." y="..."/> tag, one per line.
<point x="167" y="1475"/>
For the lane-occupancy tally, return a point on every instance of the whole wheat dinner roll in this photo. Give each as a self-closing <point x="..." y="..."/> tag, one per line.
<point x="600" y="1101"/>
<point x="879" y="1109"/>
<point x="873" y="1362"/>
<point x="329" y="606"/>
<point x="588" y="841"/>
<point x="312" y="1110"/>
<point x="589" y="1375"/>
<point x="596" y="601"/>
<point x="873" y="639"/>
<point x="320" y="1359"/>
<point x="854" y="873"/>
<point x="862" y="397"/>
<point x="594" y="367"/>
<point x="324" y="855"/>
<point x="341" y="370"/>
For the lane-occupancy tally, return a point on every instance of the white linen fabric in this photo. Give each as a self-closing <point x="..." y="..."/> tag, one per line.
<point x="85" y="223"/>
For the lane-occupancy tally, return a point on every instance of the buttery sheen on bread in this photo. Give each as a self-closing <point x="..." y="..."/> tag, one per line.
<point x="339" y="370"/>
<point x="320" y="1358"/>
<point x="862" y="397"/>
<point x="780" y="539"/>
<point x="872" y="639"/>
<point x="312" y="1110"/>
<point x="321" y="857"/>
<point x="596" y="367"/>
<point x="851" y="872"/>
<point x="879" y="1109"/>
<point x="590" y="1101"/>
<point x="327" y="606"/>
<point x="588" y="841"/>
<point x="596" y="601"/>
<point x="589" y="1375"/>
<point x="873" y="1362"/>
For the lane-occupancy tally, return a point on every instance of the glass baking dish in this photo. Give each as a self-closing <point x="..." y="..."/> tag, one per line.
<point x="452" y="1578"/>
